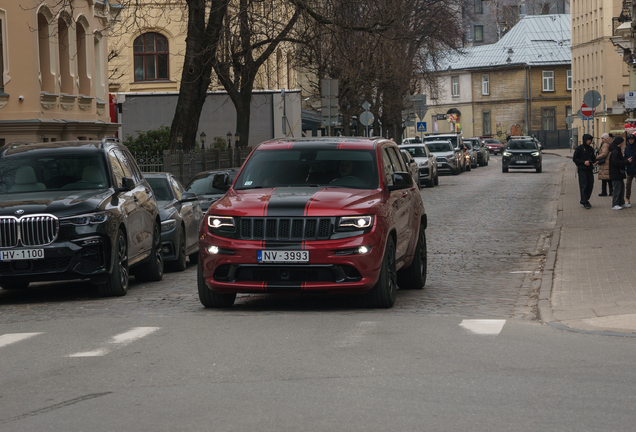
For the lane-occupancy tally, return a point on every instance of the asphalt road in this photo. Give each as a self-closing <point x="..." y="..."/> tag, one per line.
<point x="464" y="354"/>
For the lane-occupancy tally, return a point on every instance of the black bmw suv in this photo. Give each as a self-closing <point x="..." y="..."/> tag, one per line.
<point x="76" y="210"/>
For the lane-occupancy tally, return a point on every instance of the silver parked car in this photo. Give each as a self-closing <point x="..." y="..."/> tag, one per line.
<point x="448" y="159"/>
<point x="426" y="163"/>
<point x="181" y="216"/>
<point x="483" y="155"/>
<point x="412" y="166"/>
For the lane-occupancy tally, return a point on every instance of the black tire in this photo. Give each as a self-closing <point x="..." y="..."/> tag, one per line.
<point x="430" y="183"/>
<point x="414" y="276"/>
<point x="457" y="171"/>
<point x="194" y="257"/>
<point x="180" y="263"/>
<point x="117" y="282"/>
<point x="504" y="169"/>
<point x="469" y="167"/>
<point x="152" y="270"/>
<point x="15" y="285"/>
<point x="209" y="298"/>
<point x="540" y="169"/>
<point x="436" y="181"/>
<point x="383" y="293"/>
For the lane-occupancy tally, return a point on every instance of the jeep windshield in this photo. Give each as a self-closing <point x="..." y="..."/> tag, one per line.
<point x="310" y="167"/>
<point x="52" y="171"/>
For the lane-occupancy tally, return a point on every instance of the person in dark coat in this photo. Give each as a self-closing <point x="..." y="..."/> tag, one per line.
<point x="630" y="152"/>
<point x="617" y="162"/>
<point x="584" y="158"/>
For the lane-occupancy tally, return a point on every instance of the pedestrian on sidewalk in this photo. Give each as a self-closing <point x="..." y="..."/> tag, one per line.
<point x="630" y="152"/>
<point x="617" y="164"/>
<point x="584" y="159"/>
<point x="603" y="166"/>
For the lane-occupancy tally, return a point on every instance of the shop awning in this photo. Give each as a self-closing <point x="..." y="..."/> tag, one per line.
<point x="453" y="111"/>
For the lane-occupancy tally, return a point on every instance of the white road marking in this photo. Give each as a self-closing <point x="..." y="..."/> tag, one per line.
<point x="355" y="336"/>
<point x="517" y="272"/>
<point x="9" y="338"/>
<point x="119" y="340"/>
<point x="484" y="326"/>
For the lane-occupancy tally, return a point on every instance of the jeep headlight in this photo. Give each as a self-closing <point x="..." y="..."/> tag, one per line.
<point x="355" y="222"/>
<point x="535" y="154"/>
<point x="507" y="153"/>
<point x="220" y="222"/>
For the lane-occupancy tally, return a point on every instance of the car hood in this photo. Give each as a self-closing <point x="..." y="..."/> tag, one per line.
<point x="494" y="144"/>
<point x="297" y="201"/>
<point x="59" y="203"/>
<point x="419" y="160"/>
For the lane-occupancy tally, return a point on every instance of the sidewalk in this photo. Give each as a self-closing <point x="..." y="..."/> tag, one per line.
<point x="589" y="281"/>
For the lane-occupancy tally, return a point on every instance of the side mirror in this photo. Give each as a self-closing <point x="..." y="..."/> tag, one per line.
<point x="401" y="180"/>
<point x="540" y="147"/>
<point x="221" y="181"/>
<point x="188" y="197"/>
<point x="127" y="184"/>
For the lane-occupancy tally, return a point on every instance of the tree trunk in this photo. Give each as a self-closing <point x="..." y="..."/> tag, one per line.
<point x="201" y="46"/>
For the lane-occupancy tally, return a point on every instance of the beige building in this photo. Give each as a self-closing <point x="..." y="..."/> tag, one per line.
<point x="595" y="63"/>
<point x="53" y="64"/>
<point x="518" y="85"/>
<point x="148" y="45"/>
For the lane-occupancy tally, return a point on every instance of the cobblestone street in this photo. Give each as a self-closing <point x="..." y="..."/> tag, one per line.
<point x="487" y="237"/>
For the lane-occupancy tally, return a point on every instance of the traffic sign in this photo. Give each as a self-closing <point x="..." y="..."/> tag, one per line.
<point x="587" y="111"/>
<point x="421" y="126"/>
<point x="366" y="118"/>
<point x="580" y="115"/>
<point x="592" y="98"/>
<point x="630" y="100"/>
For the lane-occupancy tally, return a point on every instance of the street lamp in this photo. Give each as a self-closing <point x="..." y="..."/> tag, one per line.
<point x="202" y="136"/>
<point x="237" y="138"/>
<point x="179" y="139"/>
<point x="229" y="140"/>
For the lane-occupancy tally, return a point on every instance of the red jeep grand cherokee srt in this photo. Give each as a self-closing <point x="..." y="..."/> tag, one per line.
<point x="339" y="215"/>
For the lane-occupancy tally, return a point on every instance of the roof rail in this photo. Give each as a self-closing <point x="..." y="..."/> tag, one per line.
<point x="110" y="139"/>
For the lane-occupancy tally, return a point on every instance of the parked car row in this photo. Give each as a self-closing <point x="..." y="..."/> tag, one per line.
<point x="339" y="216"/>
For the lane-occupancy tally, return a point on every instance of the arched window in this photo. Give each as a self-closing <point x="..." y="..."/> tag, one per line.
<point x="151" y="57"/>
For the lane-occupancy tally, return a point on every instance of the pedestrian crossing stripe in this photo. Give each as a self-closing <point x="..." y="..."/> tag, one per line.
<point x="483" y="326"/>
<point x="10" y="338"/>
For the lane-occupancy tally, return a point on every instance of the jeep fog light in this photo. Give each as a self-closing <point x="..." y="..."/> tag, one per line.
<point x="363" y="250"/>
<point x="213" y="250"/>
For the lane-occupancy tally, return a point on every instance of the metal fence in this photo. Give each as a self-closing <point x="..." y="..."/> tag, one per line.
<point x="553" y="139"/>
<point x="186" y="165"/>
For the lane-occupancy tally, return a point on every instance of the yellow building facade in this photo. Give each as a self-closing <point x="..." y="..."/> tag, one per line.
<point x="54" y="76"/>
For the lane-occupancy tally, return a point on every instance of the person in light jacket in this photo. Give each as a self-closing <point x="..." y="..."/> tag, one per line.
<point x="630" y="152"/>
<point x="603" y="168"/>
<point x="617" y="163"/>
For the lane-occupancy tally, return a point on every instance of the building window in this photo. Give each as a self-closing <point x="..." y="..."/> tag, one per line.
<point x="549" y="118"/>
<point x="485" y="122"/>
<point x="479" y="33"/>
<point x="548" y="81"/>
<point x="151" y="57"/>
<point x="485" y="84"/>
<point x="569" y="80"/>
<point x="568" y="113"/>
<point x="1" y="58"/>
<point x="479" y="8"/>
<point x="455" y="84"/>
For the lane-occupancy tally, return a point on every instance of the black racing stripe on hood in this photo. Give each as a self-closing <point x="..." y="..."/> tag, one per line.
<point x="289" y="202"/>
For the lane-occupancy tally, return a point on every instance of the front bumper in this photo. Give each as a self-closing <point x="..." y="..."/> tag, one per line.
<point x="236" y="269"/>
<point x="84" y="258"/>
<point x="446" y="166"/>
<point x="511" y="163"/>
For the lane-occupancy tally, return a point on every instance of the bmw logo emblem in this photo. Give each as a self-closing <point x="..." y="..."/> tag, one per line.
<point x="19" y="212"/>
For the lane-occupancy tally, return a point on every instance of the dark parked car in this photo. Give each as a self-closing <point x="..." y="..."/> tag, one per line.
<point x="76" y="210"/>
<point x="426" y="162"/>
<point x="411" y="164"/>
<point x="522" y="153"/>
<point x="471" y="154"/>
<point x="181" y="216"/>
<point x="202" y="186"/>
<point x="483" y="155"/>
<point x="338" y="215"/>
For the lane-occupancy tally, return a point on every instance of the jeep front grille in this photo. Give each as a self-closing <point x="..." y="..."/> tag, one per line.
<point x="31" y="230"/>
<point x="295" y="229"/>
